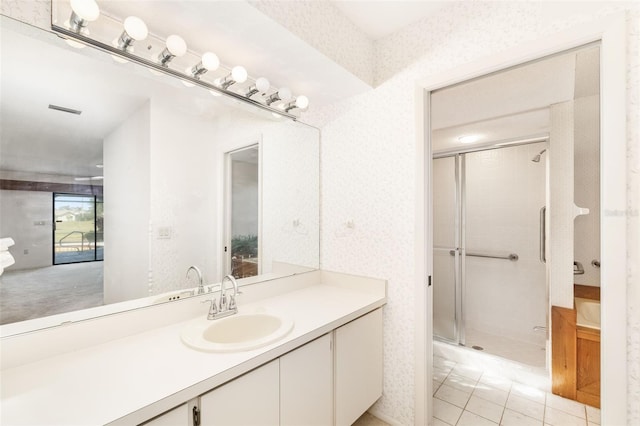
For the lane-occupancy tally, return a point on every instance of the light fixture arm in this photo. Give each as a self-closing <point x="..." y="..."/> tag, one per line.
<point x="165" y="57"/>
<point x="252" y="91"/>
<point x="227" y="81"/>
<point x="76" y="23"/>
<point x="125" y="41"/>
<point x="274" y="97"/>
<point x="198" y="69"/>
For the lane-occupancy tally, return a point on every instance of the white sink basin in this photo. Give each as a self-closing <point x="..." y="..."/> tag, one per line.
<point x="588" y="314"/>
<point x="239" y="332"/>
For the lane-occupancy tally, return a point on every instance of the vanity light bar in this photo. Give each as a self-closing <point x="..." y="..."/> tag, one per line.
<point x="192" y="76"/>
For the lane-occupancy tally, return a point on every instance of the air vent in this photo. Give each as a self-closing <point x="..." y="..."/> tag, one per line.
<point x="63" y="109"/>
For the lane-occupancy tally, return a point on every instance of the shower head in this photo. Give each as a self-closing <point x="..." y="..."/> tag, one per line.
<point x="536" y="159"/>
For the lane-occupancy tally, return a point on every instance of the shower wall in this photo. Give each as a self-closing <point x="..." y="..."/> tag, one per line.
<point x="504" y="193"/>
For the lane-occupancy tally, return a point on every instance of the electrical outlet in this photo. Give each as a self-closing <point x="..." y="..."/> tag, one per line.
<point x="164" y="232"/>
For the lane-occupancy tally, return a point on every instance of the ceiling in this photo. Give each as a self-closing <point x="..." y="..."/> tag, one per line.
<point x="378" y="19"/>
<point x="513" y="103"/>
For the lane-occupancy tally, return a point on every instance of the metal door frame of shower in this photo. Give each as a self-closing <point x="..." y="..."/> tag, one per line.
<point x="460" y="225"/>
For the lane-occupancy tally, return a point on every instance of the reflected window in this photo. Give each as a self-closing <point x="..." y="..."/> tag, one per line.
<point x="78" y="234"/>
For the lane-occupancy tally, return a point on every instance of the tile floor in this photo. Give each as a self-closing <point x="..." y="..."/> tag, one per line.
<point x="502" y="346"/>
<point x="466" y="396"/>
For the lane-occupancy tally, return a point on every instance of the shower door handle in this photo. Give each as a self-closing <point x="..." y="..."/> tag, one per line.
<point x="543" y="234"/>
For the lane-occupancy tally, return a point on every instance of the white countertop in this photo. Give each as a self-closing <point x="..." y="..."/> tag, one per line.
<point x="134" y="378"/>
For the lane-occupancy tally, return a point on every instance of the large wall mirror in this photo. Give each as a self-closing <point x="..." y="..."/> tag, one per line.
<point x="114" y="181"/>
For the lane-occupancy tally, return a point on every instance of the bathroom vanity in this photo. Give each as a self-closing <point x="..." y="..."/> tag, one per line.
<point x="326" y="370"/>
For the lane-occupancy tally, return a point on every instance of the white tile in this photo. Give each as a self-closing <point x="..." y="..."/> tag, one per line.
<point x="593" y="415"/>
<point x="513" y="418"/>
<point x="443" y="363"/>
<point x="446" y="412"/>
<point x="466" y="371"/>
<point x="438" y="422"/>
<point x="496" y="382"/>
<point x="528" y="392"/>
<point x="470" y="419"/>
<point x="436" y="386"/>
<point x="526" y="406"/>
<point x="489" y="393"/>
<point x="574" y="408"/>
<point x="556" y="417"/>
<point x="453" y="396"/>
<point x="460" y="382"/>
<point x="485" y="409"/>
<point x="439" y="374"/>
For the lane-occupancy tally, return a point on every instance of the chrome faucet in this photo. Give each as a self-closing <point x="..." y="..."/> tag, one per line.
<point x="200" y="286"/>
<point x="224" y="309"/>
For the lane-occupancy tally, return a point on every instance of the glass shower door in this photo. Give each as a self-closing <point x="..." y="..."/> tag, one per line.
<point x="446" y="249"/>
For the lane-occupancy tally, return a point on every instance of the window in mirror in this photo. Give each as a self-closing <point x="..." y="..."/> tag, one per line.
<point x="244" y="214"/>
<point x="78" y="228"/>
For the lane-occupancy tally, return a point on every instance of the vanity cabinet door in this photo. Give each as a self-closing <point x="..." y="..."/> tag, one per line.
<point x="179" y="416"/>
<point x="251" y="399"/>
<point x="306" y="384"/>
<point x="358" y="366"/>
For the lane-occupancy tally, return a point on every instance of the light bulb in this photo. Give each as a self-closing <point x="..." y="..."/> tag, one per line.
<point x="210" y="61"/>
<point x="136" y="28"/>
<point x="87" y="10"/>
<point x="176" y="45"/>
<point x="284" y="94"/>
<point x="262" y="84"/>
<point x="469" y="138"/>
<point x="302" y="102"/>
<point x="239" y="74"/>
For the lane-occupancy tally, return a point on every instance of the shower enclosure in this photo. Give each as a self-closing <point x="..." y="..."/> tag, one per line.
<point x="490" y="290"/>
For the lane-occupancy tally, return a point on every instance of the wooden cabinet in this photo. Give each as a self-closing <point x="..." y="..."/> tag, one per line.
<point x="251" y="399"/>
<point x="306" y="384"/>
<point x="358" y="367"/>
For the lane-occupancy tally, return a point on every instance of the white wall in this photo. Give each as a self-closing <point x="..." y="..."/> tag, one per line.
<point x="183" y="176"/>
<point x="586" y="245"/>
<point x="126" y="208"/>
<point x="246" y="192"/>
<point x="19" y="213"/>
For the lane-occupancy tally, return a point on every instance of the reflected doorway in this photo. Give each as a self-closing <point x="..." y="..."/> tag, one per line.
<point x="242" y="249"/>
<point x="78" y="234"/>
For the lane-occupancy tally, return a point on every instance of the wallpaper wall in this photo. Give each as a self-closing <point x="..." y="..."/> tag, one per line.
<point x="368" y="164"/>
<point x="321" y="24"/>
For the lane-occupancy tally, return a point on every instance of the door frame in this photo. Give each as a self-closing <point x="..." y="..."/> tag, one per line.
<point x="611" y="33"/>
<point x="227" y="214"/>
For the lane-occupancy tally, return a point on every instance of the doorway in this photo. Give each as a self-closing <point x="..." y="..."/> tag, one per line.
<point x="611" y="33"/>
<point x="78" y="231"/>
<point x="242" y="247"/>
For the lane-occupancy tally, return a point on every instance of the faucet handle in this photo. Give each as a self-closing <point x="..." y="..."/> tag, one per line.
<point x="232" y="303"/>
<point x="223" y="302"/>
<point x="213" y="309"/>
